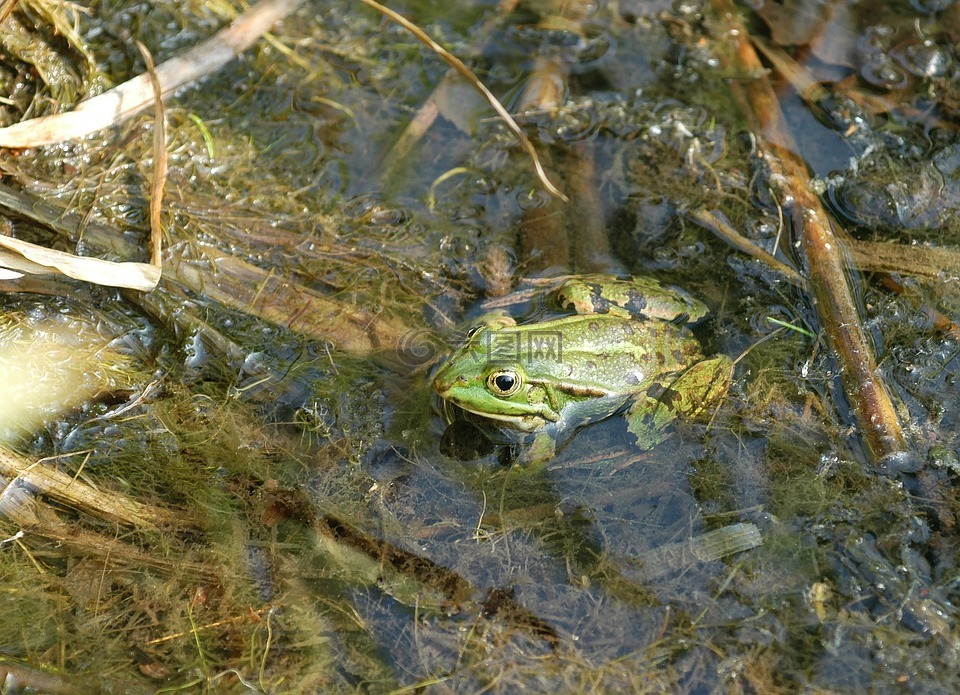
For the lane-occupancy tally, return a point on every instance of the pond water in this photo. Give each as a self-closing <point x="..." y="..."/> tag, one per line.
<point x="253" y="489"/>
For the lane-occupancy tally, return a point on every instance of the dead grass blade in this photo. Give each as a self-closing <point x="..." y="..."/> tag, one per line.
<point x="22" y="479"/>
<point x="116" y="105"/>
<point x="24" y="257"/>
<point x="432" y="107"/>
<point x="159" y="160"/>
<point x="468" y="75"/>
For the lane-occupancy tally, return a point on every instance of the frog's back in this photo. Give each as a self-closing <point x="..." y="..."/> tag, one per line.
<point x="619" y="355"/>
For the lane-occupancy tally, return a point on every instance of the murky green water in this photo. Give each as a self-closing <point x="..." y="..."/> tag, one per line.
<point x="308" y="526"/>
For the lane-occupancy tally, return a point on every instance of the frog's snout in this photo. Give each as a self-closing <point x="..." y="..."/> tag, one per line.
<point x="443" y="386"/>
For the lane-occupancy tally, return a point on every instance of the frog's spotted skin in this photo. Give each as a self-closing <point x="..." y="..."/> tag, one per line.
<point x="549" y="378"/>
<point x="633" y="298"/>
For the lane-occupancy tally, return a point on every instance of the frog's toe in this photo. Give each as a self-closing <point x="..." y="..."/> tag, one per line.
<point x="647" y="419"/>
<point x="693" y="392"/>
<point x="700" y="387"/>
<point x="706" y="384"/>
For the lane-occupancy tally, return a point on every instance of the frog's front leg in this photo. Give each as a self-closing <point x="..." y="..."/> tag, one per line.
<point x="690" y="394"/>
<point x="540" y="449"/>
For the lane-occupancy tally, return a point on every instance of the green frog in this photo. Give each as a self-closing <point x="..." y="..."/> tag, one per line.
<point x="626" y="348"/>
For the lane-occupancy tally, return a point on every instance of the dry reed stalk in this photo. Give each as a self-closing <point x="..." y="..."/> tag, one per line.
<point x="825" y="254"/>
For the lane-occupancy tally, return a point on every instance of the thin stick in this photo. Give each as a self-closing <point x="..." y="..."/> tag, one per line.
<point x="468" y="75"/>
<point x="833" y="299"/>
<point x="429" y="110"/>
<point x="159" y="160"/>
<point x="723" y="229"/>
<point x="20" y="478"/>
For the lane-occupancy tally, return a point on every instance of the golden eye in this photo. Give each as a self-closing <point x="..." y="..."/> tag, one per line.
<point x="503" y="382"/>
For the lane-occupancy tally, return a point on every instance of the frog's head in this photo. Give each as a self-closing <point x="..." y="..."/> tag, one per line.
<point x="496" y="392"/>
<point x="495" y="389"/>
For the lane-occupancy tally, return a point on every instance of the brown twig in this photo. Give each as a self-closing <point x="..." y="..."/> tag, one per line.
<point x="159" y="160"/>
<point x="19" y="677"/>
<point x="21" y="478"/>
<point x="833" y="299"/>
<point x="243" y="286"/>
<point x="722" y="228"/>
<point x="918" y="261"/>
<point x="248" y="288"/>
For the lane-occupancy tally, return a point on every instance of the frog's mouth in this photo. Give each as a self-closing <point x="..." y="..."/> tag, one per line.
<point x="531" y="419"/>
<point x="527" y="422"/>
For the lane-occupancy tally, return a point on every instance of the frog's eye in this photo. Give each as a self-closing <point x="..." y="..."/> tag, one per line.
<point x="503" y="382"/>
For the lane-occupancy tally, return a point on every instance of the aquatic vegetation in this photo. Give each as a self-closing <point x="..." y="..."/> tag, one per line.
<point x="247" y="487"/>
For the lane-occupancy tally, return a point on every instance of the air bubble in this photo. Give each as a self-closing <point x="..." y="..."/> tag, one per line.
<point x="923" y="59"/>
<point x="882" y="71"/>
